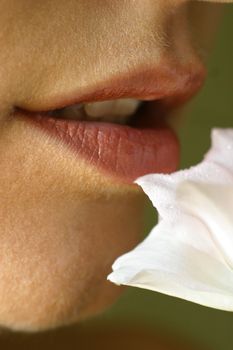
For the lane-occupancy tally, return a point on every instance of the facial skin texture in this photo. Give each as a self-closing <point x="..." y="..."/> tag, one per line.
<point x="62" y="222"/>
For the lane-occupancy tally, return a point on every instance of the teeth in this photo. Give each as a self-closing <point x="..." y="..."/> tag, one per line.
<point x="113" y="110"/>
<point x="73" y="112"/>
<point x="118" y="111"/>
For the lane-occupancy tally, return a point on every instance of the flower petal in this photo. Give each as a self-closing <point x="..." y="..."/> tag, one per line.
<point x="189" y="254"/>
<point x="222" y="149"/>
<point x="213" y="204"/>
<point x="175" y="266"/>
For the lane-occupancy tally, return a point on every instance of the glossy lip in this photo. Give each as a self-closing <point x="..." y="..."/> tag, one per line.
<point x="124" y="152"/>
<point x="121" y="151"/>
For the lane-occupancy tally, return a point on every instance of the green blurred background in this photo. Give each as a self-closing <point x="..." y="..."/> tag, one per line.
<point x="213" y="107"/>
<point x="137" y="309"/>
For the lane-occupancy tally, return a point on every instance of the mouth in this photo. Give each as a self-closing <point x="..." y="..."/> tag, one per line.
<point x="123" y="137"/>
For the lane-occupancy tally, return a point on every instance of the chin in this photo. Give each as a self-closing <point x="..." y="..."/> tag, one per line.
<point x="61" y="231"/>
<point x="56" y="275"/>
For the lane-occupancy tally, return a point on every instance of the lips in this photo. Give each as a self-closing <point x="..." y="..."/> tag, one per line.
<point x="123" y="152"/>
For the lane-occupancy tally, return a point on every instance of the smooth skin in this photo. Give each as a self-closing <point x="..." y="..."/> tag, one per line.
<point x="62" y="222"/>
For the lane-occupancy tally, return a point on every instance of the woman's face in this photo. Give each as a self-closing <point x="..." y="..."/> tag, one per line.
<point x="68" y="206"/>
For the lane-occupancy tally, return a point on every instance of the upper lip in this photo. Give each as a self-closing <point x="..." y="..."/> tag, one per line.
<point x="173" y="84"/>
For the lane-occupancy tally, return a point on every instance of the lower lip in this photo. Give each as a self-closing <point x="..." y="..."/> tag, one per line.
<point x="123" y="152"/>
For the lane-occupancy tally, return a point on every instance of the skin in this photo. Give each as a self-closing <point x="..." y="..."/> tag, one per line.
<point x="62" y="222"/>
<point x="99" y="337"/>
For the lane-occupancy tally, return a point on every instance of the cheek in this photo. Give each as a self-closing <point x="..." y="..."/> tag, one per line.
<point x="62" y="226"/>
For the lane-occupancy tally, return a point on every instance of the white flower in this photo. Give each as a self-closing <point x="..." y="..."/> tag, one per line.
<point x="189" y="254"/>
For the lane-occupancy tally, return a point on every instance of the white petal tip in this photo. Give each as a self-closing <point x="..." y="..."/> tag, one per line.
<point x="121" y="276"/>
<point x="112" y="277"/>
